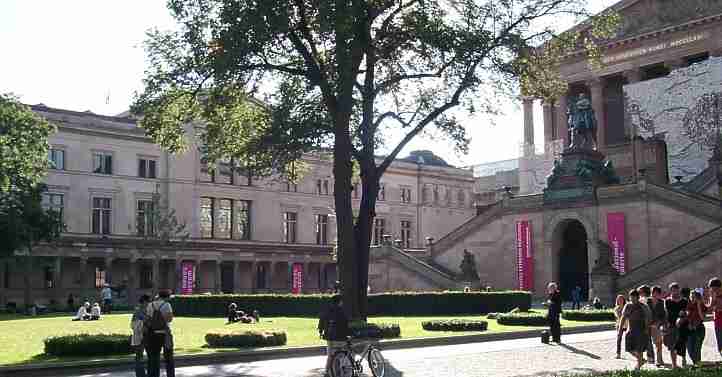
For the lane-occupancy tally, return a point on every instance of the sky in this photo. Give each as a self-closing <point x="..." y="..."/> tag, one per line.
<point x="88" y="55"/>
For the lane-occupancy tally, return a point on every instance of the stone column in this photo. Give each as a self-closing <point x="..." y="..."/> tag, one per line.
<point x="269" y="275"/>
<point x="197" y="276"/>
<point x="178" y="275"/>
<point x="236" y="276"/>
<point x="548" y="122"/>
<point x="108" y="267"/>
<point x="561" y="121"/>
<point x="306" y="270"/>
<point x="57" y="280"/>
<point x="219" y="281"/>
<point x="132" y="280"/>
<point x="83" y="279"/>
<point x="156" y="274"/>
<point x="254" y="276"/>
<point x="528" y="104"/>
<point x="596" y="88"/>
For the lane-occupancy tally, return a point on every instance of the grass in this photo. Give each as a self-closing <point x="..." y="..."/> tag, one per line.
<point x="21" y="338"/>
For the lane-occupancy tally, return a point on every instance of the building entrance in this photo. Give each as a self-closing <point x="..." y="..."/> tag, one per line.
<point x="573" y="260"/>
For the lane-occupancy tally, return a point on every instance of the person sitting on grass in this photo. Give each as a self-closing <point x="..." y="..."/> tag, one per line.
<point x="83" y="314"/>
<point x="95" y="312"/>
<point x="256" y="315"/>
<point x="233" y="314"/>
<point x="597" y="305"/>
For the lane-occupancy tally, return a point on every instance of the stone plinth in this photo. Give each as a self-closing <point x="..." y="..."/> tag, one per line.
<point x="576" y="175"/>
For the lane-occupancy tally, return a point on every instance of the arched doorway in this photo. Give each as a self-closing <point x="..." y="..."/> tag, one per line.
<point x="573" y="258"/>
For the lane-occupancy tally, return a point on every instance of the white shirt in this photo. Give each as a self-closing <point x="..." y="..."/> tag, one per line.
<point x="161" y="305"/>
<point x="81" y="312"/>
<point x="95" y="310"/>
<point x="106" y="293"/>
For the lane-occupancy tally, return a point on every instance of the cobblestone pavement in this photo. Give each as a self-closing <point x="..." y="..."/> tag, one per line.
<point x="514" y="358"/>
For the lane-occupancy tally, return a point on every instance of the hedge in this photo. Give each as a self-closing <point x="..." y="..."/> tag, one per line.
<point x="589" y="315"/>
<point x="522" y="319"/>
<point x="88" y="345"/>
<point x="401" y="303"/>
<point x="455" y="325"/>
<point x="245" y="339"/>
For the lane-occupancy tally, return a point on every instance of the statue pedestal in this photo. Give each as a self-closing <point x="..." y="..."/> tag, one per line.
<point x="604" y="276"/>
<point x="576" y="175"/>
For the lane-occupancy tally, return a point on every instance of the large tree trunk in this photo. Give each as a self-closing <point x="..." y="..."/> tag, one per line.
<point x="28" y="291"/>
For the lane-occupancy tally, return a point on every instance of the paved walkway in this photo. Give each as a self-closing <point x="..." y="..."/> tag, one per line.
<point x="581" y="353"/>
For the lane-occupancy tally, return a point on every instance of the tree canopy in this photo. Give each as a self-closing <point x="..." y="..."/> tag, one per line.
<point x="339" y="74"/>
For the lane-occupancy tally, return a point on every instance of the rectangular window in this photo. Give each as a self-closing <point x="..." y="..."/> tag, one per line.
<point x="406" y="234"/>
<point x="144" y="218"/>
<point x="379" y="231"/>
<point x="147" y="168"/>
<point x="405" y="195"/>
<point x="206" y="174"/>
<point x="146" y="277"/>
<point x="436" y="194"/>
<point x="48" y="274"/>
<point x="322" y="229"/>
<point x="206" y="217"/>
<point x="55" y="202"/>
<point x="289" y="227"/>
<point x="225" y="172"/>
<point x="291" y="187"/>
<point x="102" y="212"/>
<point x="225" y="216"/>
<point x="461" y="198"/>
<point x="382" y="192"/>
<point x="57" y="158"/>
<point x="243" y="219"/>
<point x="322" y="187"/>
<point x="99" y="277"/>
<point x="102" y="163"/>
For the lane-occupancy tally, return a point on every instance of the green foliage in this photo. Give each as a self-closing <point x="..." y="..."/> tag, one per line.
<point x="589" y="315"/>
<point x="455" y="325"/>
<point x="361" y="329"/>
<point x="522" y="319"/>
<point x="402" y="303"/>
<point x="23" y="144"/>
<point x="244" y="338"/>
<point x="163" y="225"/>
<point x="23" y="220"/>
<point x="88" y="345"/>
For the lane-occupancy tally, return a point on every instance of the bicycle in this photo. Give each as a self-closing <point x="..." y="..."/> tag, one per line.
<point x="347" y="363"/>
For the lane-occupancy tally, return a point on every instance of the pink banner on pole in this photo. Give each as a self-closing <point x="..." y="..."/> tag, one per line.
<point x="525" y="256"/>
<point x="189" y="278"/>
<point x="615" y="233"/>
<point x="297" y="274"/>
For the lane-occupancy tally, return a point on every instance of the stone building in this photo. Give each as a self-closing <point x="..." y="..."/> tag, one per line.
<point x="246" y="233"/>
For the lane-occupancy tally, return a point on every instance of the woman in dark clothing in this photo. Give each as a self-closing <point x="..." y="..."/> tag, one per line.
<point x="675" y="337"/>
<point x="554" y="303"/>
<point x="695" y="317"/>
<point x="637" y="336"/>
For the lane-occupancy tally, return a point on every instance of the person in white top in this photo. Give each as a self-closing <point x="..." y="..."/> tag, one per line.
<point x="83" y="314"/>
<point x="159" y="315"/>
<point x="95" y="312"/>
<point x="106" y="294"/>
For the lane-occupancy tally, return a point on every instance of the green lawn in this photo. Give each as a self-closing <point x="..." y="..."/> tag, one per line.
<point x="21" y="338"/>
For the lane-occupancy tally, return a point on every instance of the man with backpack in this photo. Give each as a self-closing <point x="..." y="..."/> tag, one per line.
<point x="333" y="327"/>
<point x="159" y="315"/>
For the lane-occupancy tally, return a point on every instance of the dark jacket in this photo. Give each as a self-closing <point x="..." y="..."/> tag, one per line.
<point x="555" y="305"/>
<point x="333" y="324"/>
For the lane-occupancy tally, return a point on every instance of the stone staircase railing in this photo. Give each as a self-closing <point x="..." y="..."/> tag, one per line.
<point x="676" y="258"/>
<point x="695" y="204"/>
<point x="442" y="279"/>
<point x="464" y="229"/>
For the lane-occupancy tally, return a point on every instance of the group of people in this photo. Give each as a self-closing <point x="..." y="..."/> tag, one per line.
<point x="88" y="313"/>
<point x="235" y="315"/>
<point x="152" y="333"/>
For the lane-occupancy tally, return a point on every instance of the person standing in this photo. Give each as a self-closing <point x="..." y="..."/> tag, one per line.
<point x="675" y="338"/>
<point x="136" y="340"/>
<point x="619" y="304"/>
<point x="554" y="305"/>
<point x="333" y="327"/>
<point x="159" y="315"/>
<point x="695" y="317"/>
<point x="106" y="294"/>
<point x="637" y="337"/>
<point x="659" y="320"/>
<point x="644" y="297"/>
<point x="577" y="298"/>
<point x="715" y="305"/>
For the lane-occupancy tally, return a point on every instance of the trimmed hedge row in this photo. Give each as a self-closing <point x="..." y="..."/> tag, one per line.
<point x="88" y="345"/>
<point x="245" y="339"/>
<point x="455" y="325"/>
<point x="589" y="315"/>
<point x="401" y="303"/>
<point x="522" y="319"/>
<point x="377" y="330"/>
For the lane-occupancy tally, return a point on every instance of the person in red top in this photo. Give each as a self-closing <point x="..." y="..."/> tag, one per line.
<point x="695" y="318"/>
<point x="715" y="305"/>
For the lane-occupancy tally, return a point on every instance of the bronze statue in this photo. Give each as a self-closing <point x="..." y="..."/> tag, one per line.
<point x="468" y="267"/>
<point x="582" y="123"/>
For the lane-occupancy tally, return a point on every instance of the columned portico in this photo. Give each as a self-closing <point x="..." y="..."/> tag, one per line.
<point x="596" y="89"/>
<point x="548" y="111"/>
<point x="562" y="131"/>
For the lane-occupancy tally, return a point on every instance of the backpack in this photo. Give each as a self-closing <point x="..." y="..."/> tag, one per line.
<point x="156" y="321"/>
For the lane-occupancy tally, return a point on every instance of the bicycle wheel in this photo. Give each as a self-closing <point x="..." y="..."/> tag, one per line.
<point x="376" y="363"/>
<point x="341" y="365"/>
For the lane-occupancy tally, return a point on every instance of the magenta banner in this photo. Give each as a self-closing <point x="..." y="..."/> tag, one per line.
<point x="189" y="278"/>
<point x="297" y="274"/>
<point x="615" y="233"/>
<point x="525" y="256"/>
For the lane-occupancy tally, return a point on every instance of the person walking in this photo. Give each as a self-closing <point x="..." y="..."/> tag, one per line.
<point x="577" y="298"/>
<point x="159" y="315"/>
<point x="715" y="305"/>
<point x="554" y="305"/>
<point x="619" y="304"/>
<point x="675" y="338"/>
<point x="644" y="297"/>
<point x="136" y="339"/>
<point x="637" y="336"/>
<point x="333" y="327"/>
<point x="695" y="317"/>
<point x="106" y="294"/>
<point x="659" y="320"/>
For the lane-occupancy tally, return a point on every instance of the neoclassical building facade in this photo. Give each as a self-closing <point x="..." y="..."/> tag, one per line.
<point x="246" y="234"/>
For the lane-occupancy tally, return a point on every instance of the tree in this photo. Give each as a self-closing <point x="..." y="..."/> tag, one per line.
<point x="23" y="144"/>
<point x="24" y="223"/>
<point x="340" y="74"/>
<point x="160" y="225"/>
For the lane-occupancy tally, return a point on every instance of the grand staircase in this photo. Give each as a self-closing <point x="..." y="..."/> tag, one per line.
<point x="440" y="278"/>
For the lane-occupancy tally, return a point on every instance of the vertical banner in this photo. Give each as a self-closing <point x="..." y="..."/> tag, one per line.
<point x="297" y="274"/>
<point x="189" y="278"/>
<point x="615" y="233"/>
<point x="525" y="256"/>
